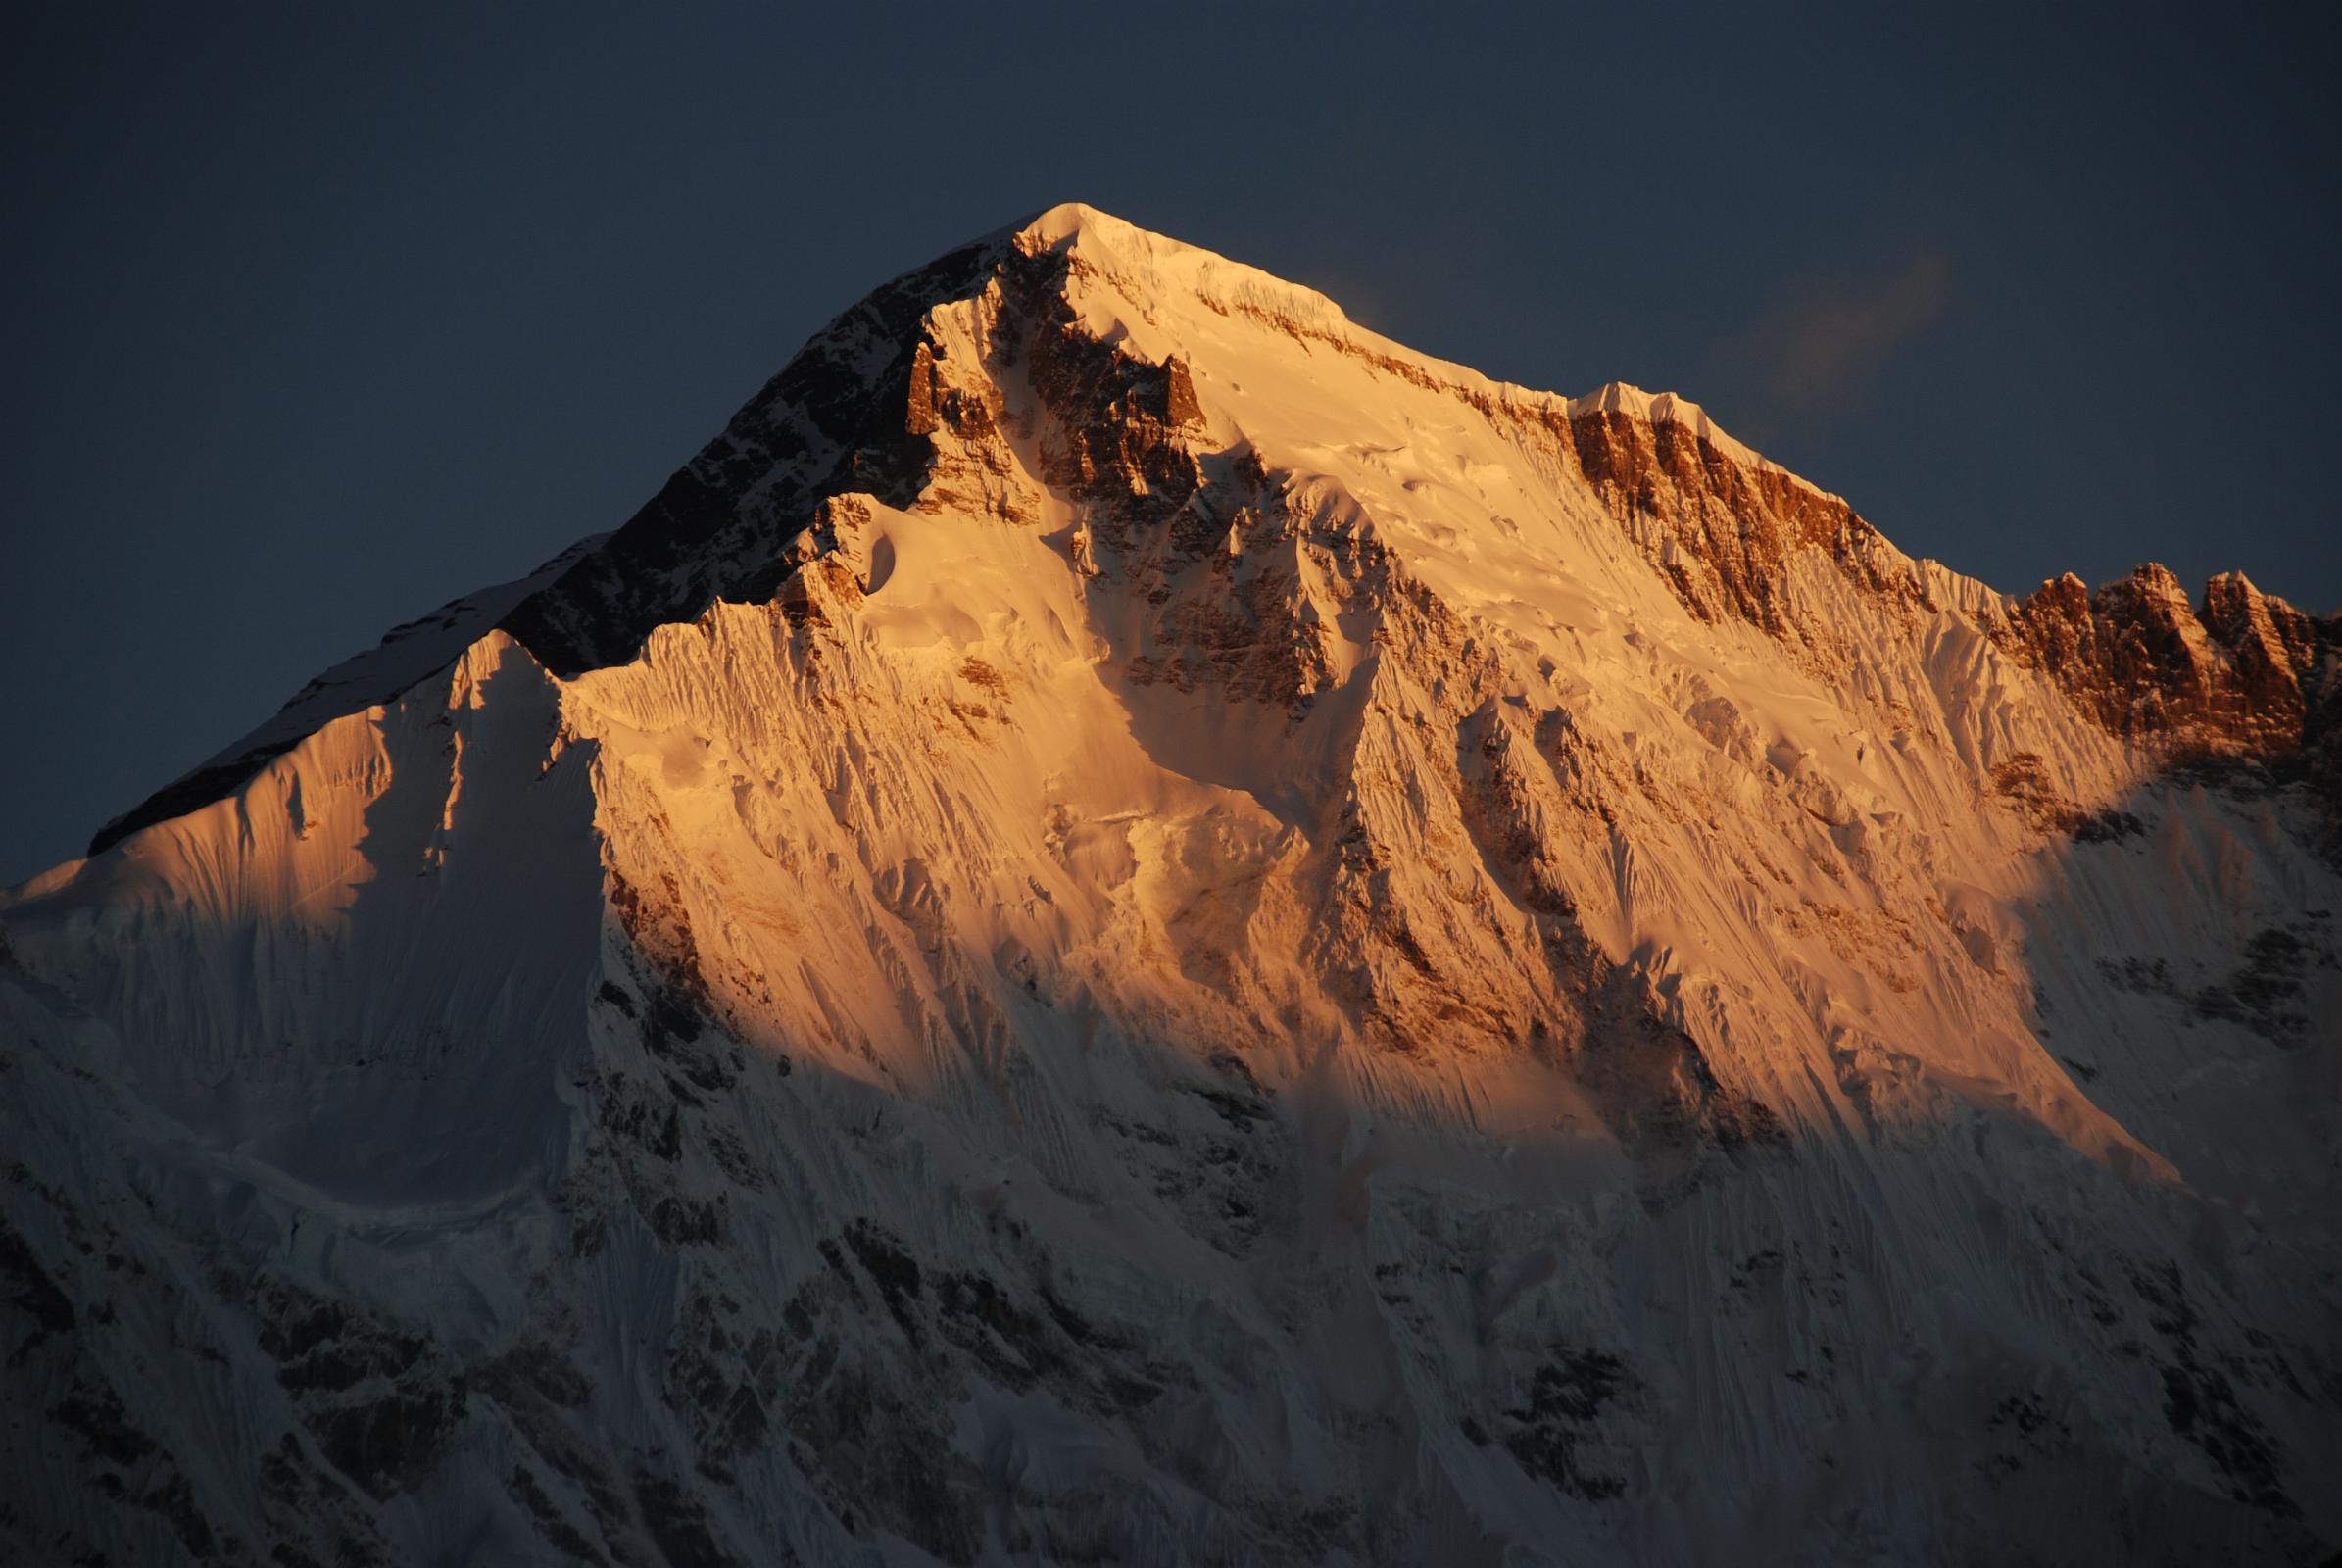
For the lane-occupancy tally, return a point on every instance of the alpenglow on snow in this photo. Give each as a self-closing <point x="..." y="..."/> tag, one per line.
<point x="1130" y="924"/>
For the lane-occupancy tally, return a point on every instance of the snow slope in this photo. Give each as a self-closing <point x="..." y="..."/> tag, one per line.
<point x="1133" y="924"/>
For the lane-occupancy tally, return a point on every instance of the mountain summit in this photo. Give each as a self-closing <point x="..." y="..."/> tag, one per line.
<point x="1133" y="924"/>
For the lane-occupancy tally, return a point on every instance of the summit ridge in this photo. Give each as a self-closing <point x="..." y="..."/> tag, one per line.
<point x="721" y="526"/>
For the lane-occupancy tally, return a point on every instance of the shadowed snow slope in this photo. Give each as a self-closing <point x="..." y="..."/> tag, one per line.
<point x="1132" y="924"/>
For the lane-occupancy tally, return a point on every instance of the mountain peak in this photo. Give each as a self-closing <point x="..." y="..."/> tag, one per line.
<point x="1130" y="923"/>
<point x="1070" y="221"/>
<point x="1229" y="360"/>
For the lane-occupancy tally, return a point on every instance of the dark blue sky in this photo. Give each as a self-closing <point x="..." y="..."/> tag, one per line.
<point x="313" y="322"/>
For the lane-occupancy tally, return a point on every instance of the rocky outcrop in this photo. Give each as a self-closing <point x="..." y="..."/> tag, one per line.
<point x="2240" y="678"/>
<point x="1722" y="531"/>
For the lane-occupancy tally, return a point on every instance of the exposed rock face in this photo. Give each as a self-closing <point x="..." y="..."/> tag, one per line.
<point x="1721" y="530"/>
<point x="2242" y="676"/>
<point x="841" y="418"/>
<point x="1133" y="926"/>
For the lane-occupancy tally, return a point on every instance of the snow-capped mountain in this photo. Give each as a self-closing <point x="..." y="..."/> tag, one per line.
<point x="1132" y="924"/>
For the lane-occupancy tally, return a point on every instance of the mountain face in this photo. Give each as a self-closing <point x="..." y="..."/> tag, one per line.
<point x="1132" y="925"/>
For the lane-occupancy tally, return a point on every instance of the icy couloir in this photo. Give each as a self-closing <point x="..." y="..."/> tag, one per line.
<point x="1132" y="924"/>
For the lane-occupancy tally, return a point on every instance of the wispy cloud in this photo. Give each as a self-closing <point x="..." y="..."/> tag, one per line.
<point x="1815" y="353"/>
